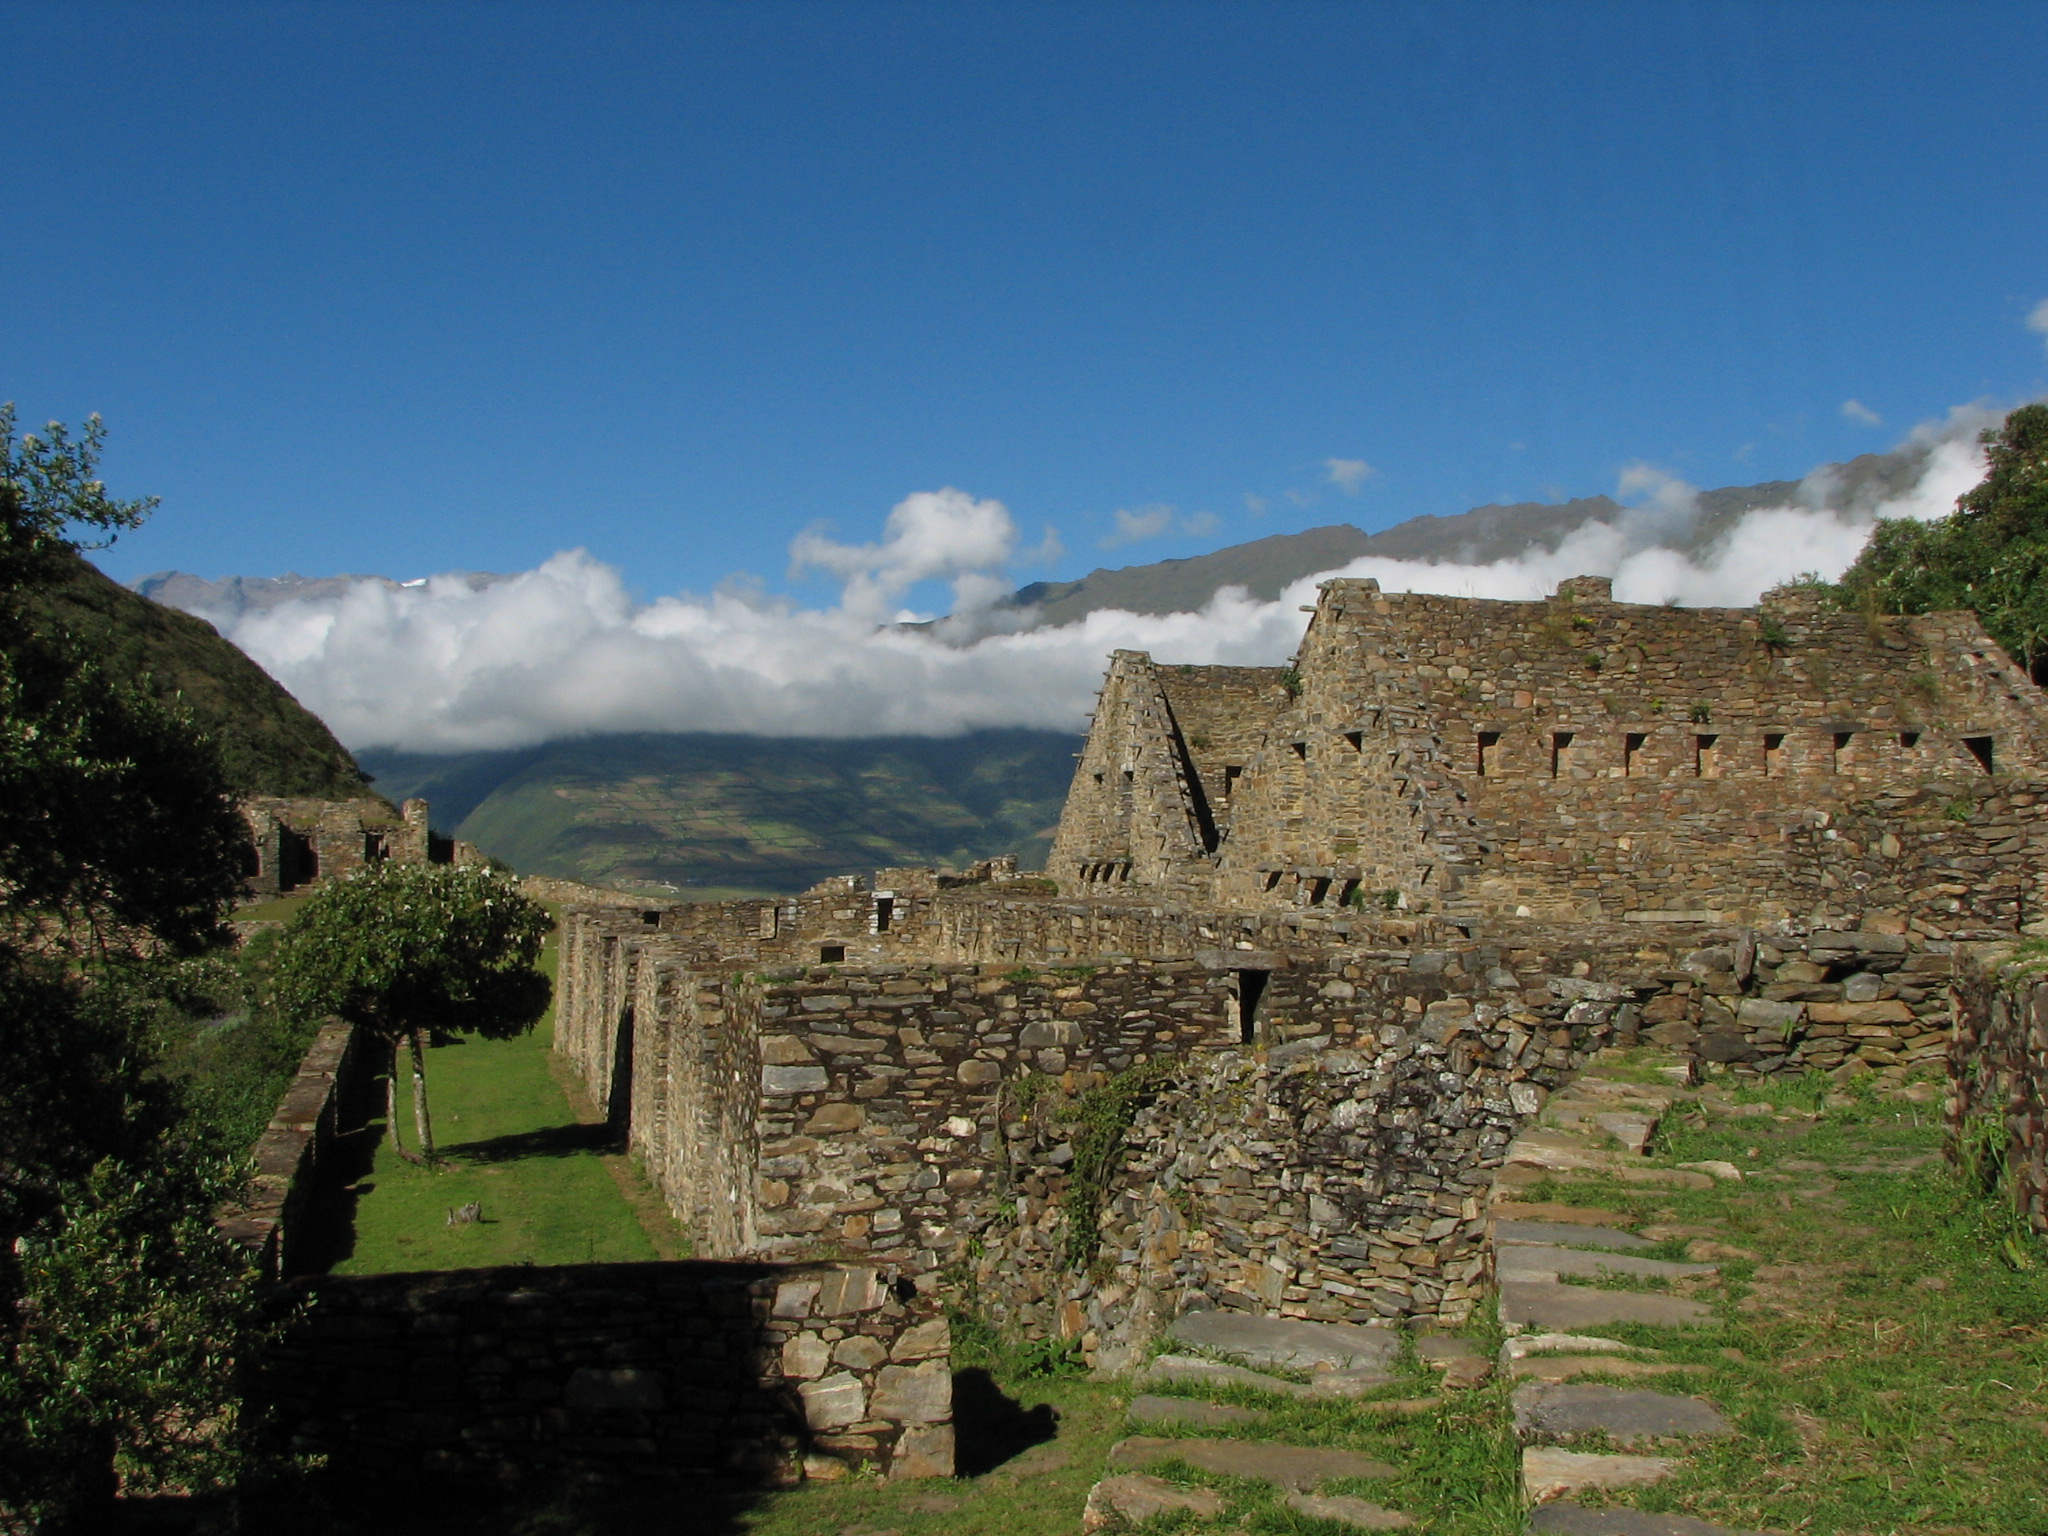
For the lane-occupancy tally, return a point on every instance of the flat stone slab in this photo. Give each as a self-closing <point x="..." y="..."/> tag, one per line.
<point x="1147" y="1409"/>
<point x="1130" y="1497"/>
<point x="1359" y="1514"/>
<point x="1558" y="1344"/>
<point x="1554" y="1411"/>
<point x="1512" y="1260"/>
<point x="1565" y="1234"/>
<point x="1571" y="1215"/>
<point x="1570" y="1367"/>
<point x="1301" y="1467"/>
<point x="1548" y="1472"/>
<point x="1573" y="1520"/>
<point x="1566" y="1308"/>
<point x="1289" y="1342"/>
<point x="1632" y="1131"/>
<point x="1192" y="1370"/>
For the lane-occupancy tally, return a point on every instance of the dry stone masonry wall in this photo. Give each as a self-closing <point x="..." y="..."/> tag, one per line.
<point x="616" y="1371"/>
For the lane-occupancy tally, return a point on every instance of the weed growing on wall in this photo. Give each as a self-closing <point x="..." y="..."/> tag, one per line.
<point x="1101" y="1118"/>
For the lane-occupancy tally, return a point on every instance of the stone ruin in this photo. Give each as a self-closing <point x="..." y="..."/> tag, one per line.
<point x="1315" y="942"/>
<point x="297" y="843"/>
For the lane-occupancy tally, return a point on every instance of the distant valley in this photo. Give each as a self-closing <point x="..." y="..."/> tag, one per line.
<point x="707" y="816"/>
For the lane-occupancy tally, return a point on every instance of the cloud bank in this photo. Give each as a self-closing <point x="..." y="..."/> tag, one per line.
<point x="449" y="665"/>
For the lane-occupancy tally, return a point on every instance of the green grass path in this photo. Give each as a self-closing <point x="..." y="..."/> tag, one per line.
<point x="513" y="1143"/>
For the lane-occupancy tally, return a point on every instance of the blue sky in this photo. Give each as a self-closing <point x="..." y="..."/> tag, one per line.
<point x="405" y="287"/>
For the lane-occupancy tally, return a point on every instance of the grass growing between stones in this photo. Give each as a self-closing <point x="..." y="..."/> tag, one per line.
<point x="552" y="1188"/>
<point x="1884" y="1354"/>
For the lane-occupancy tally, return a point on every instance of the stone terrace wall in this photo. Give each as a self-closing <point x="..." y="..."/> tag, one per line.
<point x="1336" y="1168"/>
<point x="1998" y="1068"/>
<point x="279" y="1223"/>
<point x="880" y="1090"/>
<point x="660" y="1371"/>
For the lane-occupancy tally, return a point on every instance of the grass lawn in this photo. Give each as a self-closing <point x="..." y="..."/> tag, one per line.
<point x="553" y="1189"/>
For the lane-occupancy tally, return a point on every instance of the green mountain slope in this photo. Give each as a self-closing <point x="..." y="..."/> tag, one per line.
<point x="271" y="744"/>
<point x="708" y="813"/>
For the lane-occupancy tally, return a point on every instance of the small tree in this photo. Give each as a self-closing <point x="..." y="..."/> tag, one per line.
<point x="398" y="949"/>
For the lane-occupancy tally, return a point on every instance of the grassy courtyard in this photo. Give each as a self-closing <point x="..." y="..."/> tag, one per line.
<point x="515" y="1139"/>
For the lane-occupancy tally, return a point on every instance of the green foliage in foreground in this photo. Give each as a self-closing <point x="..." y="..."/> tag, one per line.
<point x="1990" y="555"/>
<point x="122" y="1309"/>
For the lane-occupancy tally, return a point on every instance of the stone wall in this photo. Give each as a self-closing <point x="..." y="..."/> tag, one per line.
<point x="616" y="1371"/>
<point x="296" y="842"/>
<point x="279" y="1222"/>
<point x="1307" y="1149"/>
<point x="1998" y="1068"/>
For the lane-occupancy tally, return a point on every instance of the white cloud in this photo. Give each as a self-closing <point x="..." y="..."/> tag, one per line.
<point x="1135" y="525"/>
<point x="1348" y="475"/>
<point x="2037" y="320"/>
<point x="1861" y="414"/>
<point x="564" y="650"/>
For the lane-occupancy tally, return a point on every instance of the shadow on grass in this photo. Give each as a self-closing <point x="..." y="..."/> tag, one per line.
<point x="990" y="1427"/>
<point x="549" y="1141"/>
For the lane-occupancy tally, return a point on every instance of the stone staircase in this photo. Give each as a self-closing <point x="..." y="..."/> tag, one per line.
<point x="1570" y="1381"/>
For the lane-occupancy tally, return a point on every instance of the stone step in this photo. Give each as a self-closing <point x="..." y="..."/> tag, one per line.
<point x="1575" y="1520"/>
<point x="1571" y="1367"/>
<point x="1130" y="1497"/>
<point x="1569" y="1215"/>
<point x="1192" y="1370"/>
<point x="1291" y="1343"/>
<point x="1359" y="1514"/>
<point x="1548" y="1472"/>
<point x="1300" y="1467"/>
<point x="1557" y="1308"/>
<point x="1461" y="1361"/>
<point x="1565" y="1234"/>
<point x="1149" y="1410"/>
<point x="1524" y="1344"/>
<point x="1562" y="1411"/>
<point x="1529" y="1261"/>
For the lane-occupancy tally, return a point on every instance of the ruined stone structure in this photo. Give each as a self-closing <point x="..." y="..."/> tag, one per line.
<point x="1315" y="943"/>
<point x="295" y="843"/>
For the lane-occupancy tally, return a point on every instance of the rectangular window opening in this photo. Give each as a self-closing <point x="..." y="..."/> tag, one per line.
<point x="1908" y="740"/>
<point x="1251" y="987"/>
<point x="1560" y="753"/>
<point x="1774" y="754"/>
<point x="1981" y="748"/>
<point x="1130" y="776"/>
<point x="1300" y="749"/>
<point x="1843" y="740"/>
<point x="650" y="919"/>
<point x="1318" y="888"/>
<point x="374" y="847"/>
<point x="1232" y="772"/>
<point x="1489" y="754"/>
<point x="1098" y="778"/>
<point x="1272" y="879"/>
<point x="831" y="954"/>
<point x="1357" y="740"/>
<point x="1348" y="897"/>
<point x="1632" y="752"/>
<point x="1706" y="763"/>
<point x="885" y="911"/>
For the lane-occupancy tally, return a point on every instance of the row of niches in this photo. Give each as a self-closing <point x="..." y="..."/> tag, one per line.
<point x="1702" y="752"/>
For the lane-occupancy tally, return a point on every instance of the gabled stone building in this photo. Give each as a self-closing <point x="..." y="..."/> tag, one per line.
<point x="1575" y="759"/>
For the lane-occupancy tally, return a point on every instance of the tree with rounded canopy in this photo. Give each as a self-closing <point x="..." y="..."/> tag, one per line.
<point x="400" y="949"/>
<point x="1990" y="555"/>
